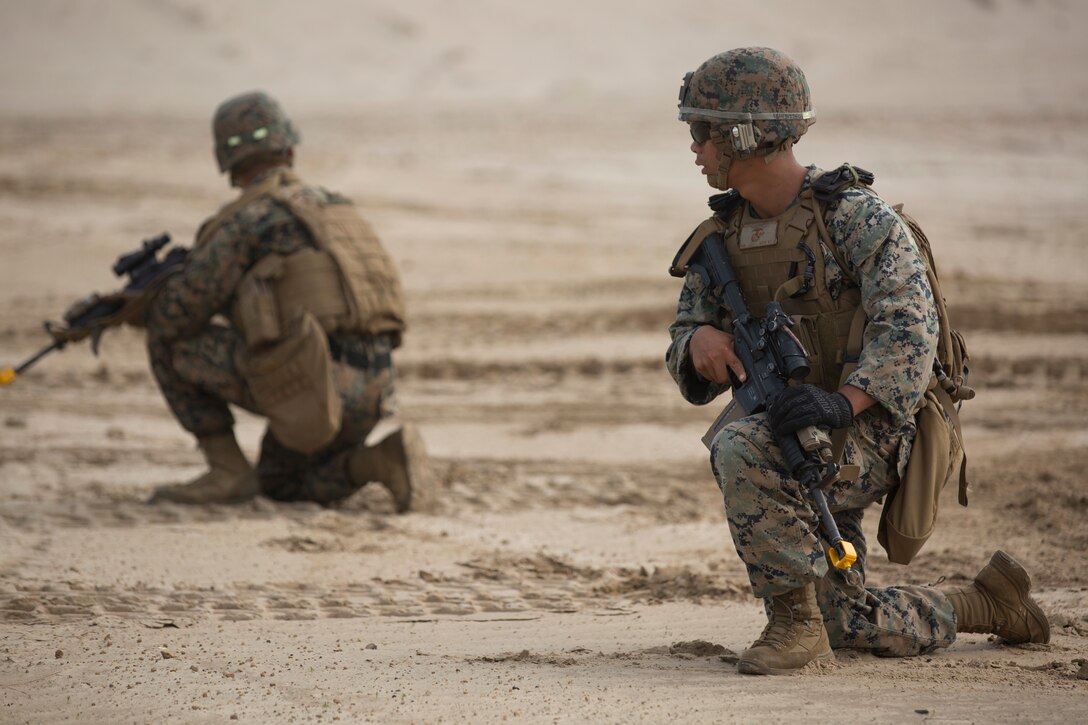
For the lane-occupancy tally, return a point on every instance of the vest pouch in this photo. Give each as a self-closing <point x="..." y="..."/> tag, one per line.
<point x="256" y="312"/>
<point x="312" y="283"/>
<point x="910" y="512"/>
<point x="292" y="384"/>
<point x="806" y="330"/>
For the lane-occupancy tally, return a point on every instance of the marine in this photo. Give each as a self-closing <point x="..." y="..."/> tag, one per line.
<point x="826" y="246"/>
<point x="288" y="306"/>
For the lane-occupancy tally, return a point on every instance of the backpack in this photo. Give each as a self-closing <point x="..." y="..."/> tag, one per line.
<point x="937" y="454"/>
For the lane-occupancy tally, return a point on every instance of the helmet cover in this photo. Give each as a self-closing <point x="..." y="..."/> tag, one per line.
<point x="756" y="100"/>
<point x="250" y="125"/>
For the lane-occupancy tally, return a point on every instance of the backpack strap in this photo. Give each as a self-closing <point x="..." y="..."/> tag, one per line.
<point x="957" y="430"/>
<point x="826" y="189"/>
<point x="830" y="184"/>
<point x="857" y="324"/>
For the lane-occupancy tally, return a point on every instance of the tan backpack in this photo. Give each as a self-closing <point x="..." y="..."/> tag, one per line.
<point x="937" y="455"/>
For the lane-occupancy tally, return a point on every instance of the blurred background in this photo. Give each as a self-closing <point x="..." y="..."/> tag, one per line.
<point x="1013" y="58"/>
<point x="961" y="107"/>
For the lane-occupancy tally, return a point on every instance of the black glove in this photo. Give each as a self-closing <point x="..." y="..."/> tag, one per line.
<point x="800" y="406"/>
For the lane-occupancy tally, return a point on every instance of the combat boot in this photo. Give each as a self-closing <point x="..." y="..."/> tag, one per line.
<point x="999" y="602"/>
<point x="229" y="479"/>
<point x="794" y="636"/>
<point x="397" y="460"/>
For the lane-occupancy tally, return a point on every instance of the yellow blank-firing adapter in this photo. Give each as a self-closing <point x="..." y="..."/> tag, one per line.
<point x="842" y="554"/>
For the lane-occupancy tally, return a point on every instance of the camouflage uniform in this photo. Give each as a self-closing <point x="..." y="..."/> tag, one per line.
<point x="773" y="525"/>
<point x="193" y="356"/>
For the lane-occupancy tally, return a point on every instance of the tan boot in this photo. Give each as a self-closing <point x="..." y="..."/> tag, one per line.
<point x="398" y="461"/>
<point x="999" y="602"/>
<point x="794" y="636"/>
<point x="230" y="478"/>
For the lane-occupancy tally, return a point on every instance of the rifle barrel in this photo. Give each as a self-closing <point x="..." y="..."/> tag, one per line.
<point x="8" y="375"/>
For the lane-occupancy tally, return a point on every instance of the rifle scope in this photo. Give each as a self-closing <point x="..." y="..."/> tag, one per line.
<point x="126" y="263"/>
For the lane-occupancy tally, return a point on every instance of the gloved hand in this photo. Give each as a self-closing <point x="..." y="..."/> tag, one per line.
<point x="800" y="406"/>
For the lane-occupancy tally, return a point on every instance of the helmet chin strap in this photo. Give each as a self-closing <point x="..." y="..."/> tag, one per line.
<point x="720" y="180"/>
<point x="726" y="156"/>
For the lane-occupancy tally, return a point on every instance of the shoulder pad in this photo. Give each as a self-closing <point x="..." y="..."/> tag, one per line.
<point x="679" y="266"/>
<point x="831" y="183"/>
<point x="724" y="204"/>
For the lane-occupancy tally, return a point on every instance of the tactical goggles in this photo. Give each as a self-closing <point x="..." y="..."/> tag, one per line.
<point x="700" y="131"/>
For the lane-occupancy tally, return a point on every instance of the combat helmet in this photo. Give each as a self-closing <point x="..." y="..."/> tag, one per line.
<point x="749" y="101"/>
<point x="250" y="125"/>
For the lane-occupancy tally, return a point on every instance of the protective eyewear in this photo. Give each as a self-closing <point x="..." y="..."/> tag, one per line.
<point x="700" y="131"/>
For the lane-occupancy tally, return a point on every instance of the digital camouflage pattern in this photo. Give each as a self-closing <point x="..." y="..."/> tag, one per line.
<point x="777" y="535"/>
<point x="193" y="359"/>
<point x="727" y="87"/>
<point x="773" y="526"/>
<point x="895" y="621"/>
<point x="901" y="329"/>
<point x="249" y="125"/>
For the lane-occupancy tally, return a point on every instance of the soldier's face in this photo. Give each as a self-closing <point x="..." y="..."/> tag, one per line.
<point x="706" y="157"/>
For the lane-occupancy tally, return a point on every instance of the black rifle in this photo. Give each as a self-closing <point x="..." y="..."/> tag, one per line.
<point x="772" y="356"/>
<point x="91" y="316"/>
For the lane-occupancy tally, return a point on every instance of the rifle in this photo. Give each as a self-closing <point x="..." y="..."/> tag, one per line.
<point x="92" y="315"/>
<point x="772" y="356"/>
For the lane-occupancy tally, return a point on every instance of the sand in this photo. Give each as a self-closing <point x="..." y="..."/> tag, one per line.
<point x="524" y="166"/>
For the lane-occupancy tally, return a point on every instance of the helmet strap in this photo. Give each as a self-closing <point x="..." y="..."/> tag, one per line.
<point x="724" y="154"/>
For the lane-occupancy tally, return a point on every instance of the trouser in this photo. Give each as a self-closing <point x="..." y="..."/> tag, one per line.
<point x="200" y="380"/>
<point x="776" y="533"/>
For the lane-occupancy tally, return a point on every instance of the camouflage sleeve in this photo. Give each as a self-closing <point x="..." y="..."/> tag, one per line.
<point x="695" y="308"/>
<point x="901" y="331"/>
<point x="206" y="284"/>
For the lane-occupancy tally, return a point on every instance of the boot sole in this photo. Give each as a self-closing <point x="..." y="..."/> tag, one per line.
<point x="747" y="667"/>
<point x="1018" y="575"/>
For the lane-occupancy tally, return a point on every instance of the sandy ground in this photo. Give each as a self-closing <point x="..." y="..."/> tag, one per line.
<point x="579" y="568"/>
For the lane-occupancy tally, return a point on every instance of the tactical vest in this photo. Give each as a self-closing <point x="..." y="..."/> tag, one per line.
<point x="348" y="282"/>
<point x="783" y="259"/>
